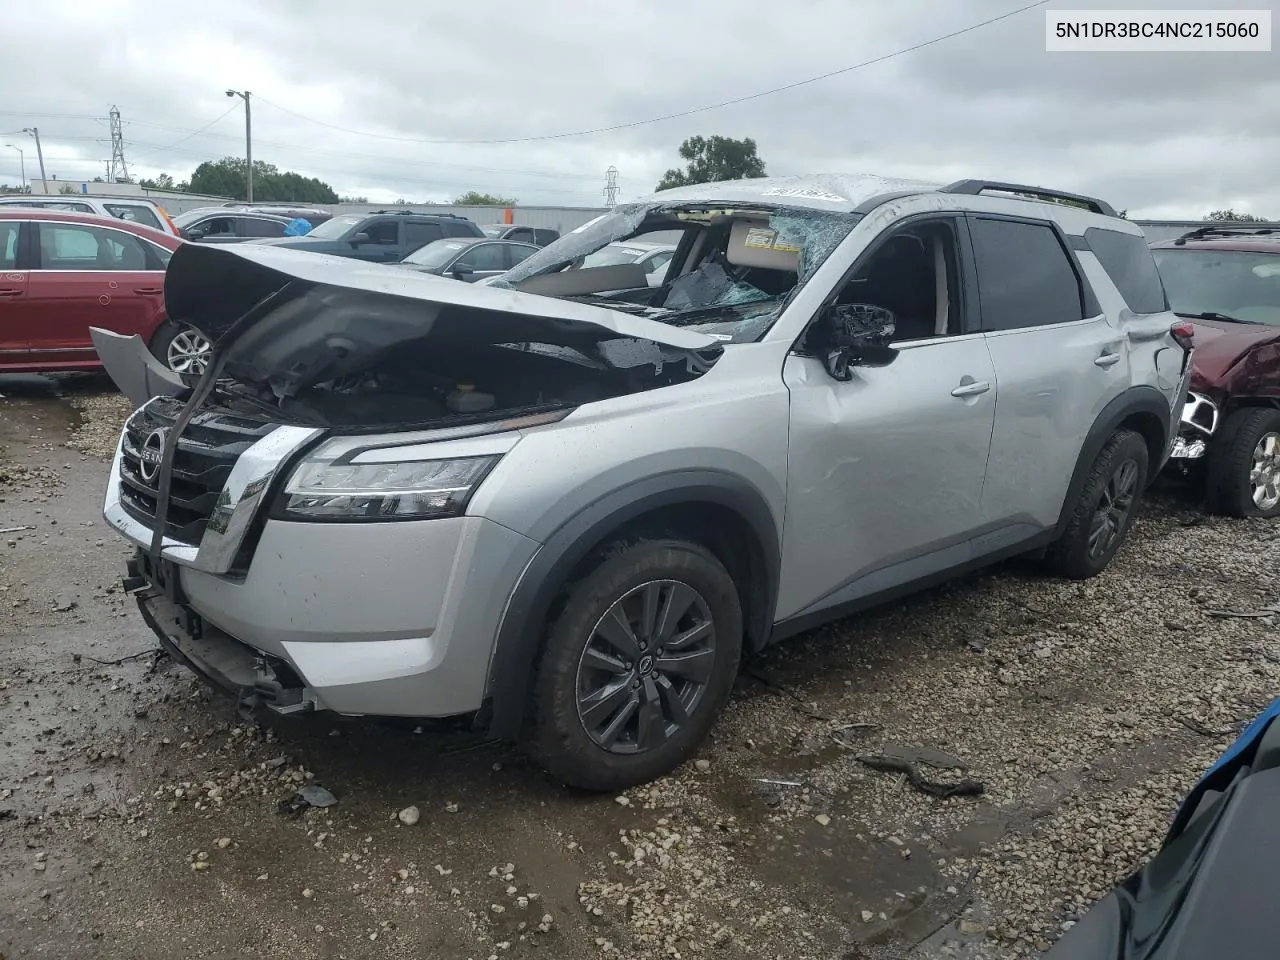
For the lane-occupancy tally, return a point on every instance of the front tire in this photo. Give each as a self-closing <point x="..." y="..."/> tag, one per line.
<point x="182" y="348"/>
<point x="1104" y="508"/>
<point x="1244" y="465"/>
<point x="637" y="666"/>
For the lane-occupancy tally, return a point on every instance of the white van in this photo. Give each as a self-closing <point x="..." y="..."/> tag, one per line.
<point x="134" y="209"/>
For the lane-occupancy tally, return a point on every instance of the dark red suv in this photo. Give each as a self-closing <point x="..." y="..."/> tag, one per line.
<point x="62" y="273"/>
<point x="1226" y="280"/>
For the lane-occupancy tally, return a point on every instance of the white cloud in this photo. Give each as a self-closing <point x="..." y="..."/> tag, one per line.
<point x="1163" y="135"/>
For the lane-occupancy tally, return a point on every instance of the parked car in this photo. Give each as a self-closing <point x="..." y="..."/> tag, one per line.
<point x="653" y="257"/>
<point x="62" y="273"/>
<point x="1226" y="280"/>
<point x="1208" y="889"/>
<point x="314" y="215"/>
<point x="467" y="258"/>
<point x="387" y="236"/>
<point x="538" y="236"/>
<point x="134" y="209"/>
<point x="219" y="225"/>
<point x="574" y="513"/>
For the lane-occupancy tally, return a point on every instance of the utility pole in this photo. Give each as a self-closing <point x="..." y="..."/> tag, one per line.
<point x="248" y="144"/>
<point x="35" y="132"/>
<point x="22" y="164"/>
<point x="118" y="172"/>
<point x="611" y="186"/>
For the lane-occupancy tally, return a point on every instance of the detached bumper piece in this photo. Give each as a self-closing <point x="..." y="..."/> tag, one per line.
<point x="252" y="679"/>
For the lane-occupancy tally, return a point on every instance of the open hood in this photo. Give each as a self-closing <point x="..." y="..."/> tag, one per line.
<point x="213" y="286"/>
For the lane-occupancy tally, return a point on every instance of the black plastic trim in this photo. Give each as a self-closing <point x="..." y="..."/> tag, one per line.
<point x="521" y="630"/>
<point x="973" y="188"/>
<point x="1140" y="399"/>
<point x="807" y="621"/>
<point x="880" y="199"/>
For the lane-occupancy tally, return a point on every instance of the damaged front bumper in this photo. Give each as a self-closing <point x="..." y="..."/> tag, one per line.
<point x="1199" y="420"/>
<point x="254" y="680"/>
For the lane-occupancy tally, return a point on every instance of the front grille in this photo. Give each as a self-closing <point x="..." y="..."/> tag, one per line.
<point x="202" y="461"/>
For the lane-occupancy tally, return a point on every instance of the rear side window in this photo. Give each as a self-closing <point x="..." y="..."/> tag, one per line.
<point x="1025" y="277"/>
<point x="9" y="243"/>
<point x="461" y="228"/>
<point x="257" y="227"/>
<point x="420" y="234"/>
<point x="1128" y="262"/>
<point x="133" y="212"/>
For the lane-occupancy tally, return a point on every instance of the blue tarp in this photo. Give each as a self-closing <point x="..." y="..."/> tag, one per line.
<point x="298" y="227"/>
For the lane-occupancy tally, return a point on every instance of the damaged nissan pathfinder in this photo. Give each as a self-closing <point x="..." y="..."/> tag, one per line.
<point x="568" y="504"/>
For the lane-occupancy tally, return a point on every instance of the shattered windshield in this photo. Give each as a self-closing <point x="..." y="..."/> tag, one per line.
<point x="736" y="265"/>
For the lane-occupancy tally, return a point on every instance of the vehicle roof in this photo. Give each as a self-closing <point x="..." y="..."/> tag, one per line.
<point x="90" y="219"/>
<point x="1232" y="243"/>
<point x="856" y="192"/>
<point x="836" y="192"/>
<point x="72" y="197"/>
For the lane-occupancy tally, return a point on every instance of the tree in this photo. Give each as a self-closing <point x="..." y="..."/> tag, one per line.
<point x="714" y="158"/>
<point x="473" y="198"/>
<point x="225" y="178"/>
<point x="6" y="189"/>
<point x="67" y="190"/>
<point x="162" y="182"/>
<point x="1222" y="216"/>
<point x="353" y="199"/>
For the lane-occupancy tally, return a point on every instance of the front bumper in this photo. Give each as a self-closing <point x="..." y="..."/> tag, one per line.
<point x="1200" y="417"/>
<point x="391" y="619"/>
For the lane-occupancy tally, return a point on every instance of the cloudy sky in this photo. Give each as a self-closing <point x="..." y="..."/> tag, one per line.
<point x="379" y="98"/>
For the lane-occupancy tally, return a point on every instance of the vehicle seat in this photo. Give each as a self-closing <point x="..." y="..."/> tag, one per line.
<point x="901" y="279"/>
<point x="131" y="258"/>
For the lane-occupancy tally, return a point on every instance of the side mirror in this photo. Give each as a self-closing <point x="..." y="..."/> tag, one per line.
<point x="195" y="233"/>
<point x="855" y="335"/>
<point x="359" y="238"/>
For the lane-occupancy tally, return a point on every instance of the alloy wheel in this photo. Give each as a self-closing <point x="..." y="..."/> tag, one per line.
<point x="646" y="667"/>
<point x="188" y="352"/>
<point x="1113" y="509"/>
<point x="1264" y="477"/>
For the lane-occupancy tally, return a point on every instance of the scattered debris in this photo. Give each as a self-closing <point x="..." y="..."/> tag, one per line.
<point x="409" y="816"/>
<point x="905" y="760"/>
<point x="311" y="795"/>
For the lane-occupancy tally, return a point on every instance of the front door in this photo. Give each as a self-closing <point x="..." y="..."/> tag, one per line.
<point x="886" y="470"/>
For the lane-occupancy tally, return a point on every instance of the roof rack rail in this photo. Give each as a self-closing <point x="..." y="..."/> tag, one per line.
<point x="411" y="213"/>
<point x="975" y="187"/>
<point x="1215" y="230"/>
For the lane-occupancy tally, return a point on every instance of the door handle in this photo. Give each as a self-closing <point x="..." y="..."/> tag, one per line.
<point x="972" y="388"/>
<point x="149" y="291"/>
<point x="10" y="293"/>
<point x="1107" y="360"/>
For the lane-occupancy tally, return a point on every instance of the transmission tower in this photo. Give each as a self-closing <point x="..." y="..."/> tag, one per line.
<point x="611" y="186"/>
<point x="118" y="172"/>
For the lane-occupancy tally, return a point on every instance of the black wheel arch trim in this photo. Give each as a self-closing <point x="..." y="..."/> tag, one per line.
<point x="1135" y="400"/>
<point x="523" y="620"/>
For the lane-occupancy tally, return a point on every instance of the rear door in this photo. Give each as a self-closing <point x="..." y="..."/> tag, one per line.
<point x="1058" y="362"/>
<point x="252" y="228"/>
<point x="518" y="253"/>
<point x="15" y="306"/>
<point x="87" y="276"/>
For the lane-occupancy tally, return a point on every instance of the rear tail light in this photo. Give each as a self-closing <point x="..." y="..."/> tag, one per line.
<point x="1185" y="333"/>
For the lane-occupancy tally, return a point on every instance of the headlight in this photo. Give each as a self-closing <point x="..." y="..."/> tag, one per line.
<point x="333" y="488"/>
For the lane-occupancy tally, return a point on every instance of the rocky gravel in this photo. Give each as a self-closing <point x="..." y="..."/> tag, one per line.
<point x="140" y="817"/>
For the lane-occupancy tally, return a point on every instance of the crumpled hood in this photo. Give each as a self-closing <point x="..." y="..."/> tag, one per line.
<point x="213" y="286"/>
<point x="1221" y="345"/>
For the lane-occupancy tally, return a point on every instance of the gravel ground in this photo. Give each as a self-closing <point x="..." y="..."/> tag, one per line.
<point x="140" y="818"/>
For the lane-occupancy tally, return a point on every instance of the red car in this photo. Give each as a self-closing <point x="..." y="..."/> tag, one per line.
<point x="1226" y="280"/>
<point x="62" y="273"/>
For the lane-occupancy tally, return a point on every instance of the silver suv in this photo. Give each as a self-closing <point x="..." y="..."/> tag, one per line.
<point x="569" y="504"/>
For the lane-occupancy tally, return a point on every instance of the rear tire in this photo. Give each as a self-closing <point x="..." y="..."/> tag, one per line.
<point x="637" y="666"/>
<point x="1243" y="475"/>
<point x="1104" y="508"/>
<point x="181" y="348"/>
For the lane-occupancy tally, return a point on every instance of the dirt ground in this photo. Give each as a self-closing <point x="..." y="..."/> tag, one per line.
<point x="140" y="818"/>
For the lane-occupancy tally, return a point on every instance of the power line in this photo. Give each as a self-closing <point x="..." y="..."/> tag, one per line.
<point x="193" y="133"/>
<point x="682" y="113"/>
